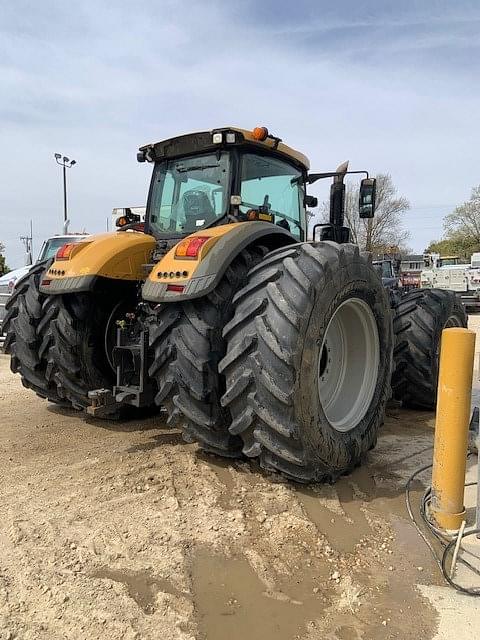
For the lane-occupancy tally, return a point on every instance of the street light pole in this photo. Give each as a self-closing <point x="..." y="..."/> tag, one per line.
<point x="65" y="163"/>
<point x="64" y="193"/>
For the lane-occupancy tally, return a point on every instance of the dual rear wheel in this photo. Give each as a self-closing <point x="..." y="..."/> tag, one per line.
<point x="303" y="366"/>
<point x="300" y="373"/>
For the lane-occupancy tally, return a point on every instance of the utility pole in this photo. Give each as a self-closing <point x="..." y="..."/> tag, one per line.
<point x="65" y="163"/>
<point x="28" y="243"/>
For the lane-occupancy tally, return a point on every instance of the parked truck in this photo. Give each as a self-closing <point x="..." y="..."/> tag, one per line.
<point x="49" y="248"/>
<point x="127" y="215"/>
<point x="450" y="273"/>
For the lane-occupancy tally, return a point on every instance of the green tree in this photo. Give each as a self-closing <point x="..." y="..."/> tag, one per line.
<point x="3" y="265"/>
<point x="464" y="222"/>
<point x="455" y="246"/>
<point x="461" y="230"/>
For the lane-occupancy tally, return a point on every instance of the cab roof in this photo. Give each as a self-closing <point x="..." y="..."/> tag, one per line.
<point x="203" y="140"/>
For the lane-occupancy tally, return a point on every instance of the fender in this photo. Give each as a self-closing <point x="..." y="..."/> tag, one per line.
<point x="117" y="256"/>
<point x="174" y="279"/>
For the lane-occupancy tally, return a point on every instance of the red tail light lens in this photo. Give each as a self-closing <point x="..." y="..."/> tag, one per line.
<point x="64" y="252"/>
<point x="190" y="247"/>
<point x="178" y="288"/>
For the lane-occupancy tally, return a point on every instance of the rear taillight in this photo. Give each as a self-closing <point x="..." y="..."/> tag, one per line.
<point x="64" y="252"/>
<point x="190" y="247"/>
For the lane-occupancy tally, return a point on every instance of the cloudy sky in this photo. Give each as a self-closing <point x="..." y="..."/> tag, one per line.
<point x="391" y="86"/>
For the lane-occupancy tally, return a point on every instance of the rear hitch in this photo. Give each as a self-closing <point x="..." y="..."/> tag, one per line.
<point x="133" y="387"/>
<point x="103" y="404"/>
<point x="131" y="360"/>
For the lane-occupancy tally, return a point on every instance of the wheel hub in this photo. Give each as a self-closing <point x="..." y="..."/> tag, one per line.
<point x="348" y="364"/>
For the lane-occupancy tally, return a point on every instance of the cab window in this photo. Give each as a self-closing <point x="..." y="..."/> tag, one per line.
<point x="189" y="193"/>
<point x="275" y="188"/>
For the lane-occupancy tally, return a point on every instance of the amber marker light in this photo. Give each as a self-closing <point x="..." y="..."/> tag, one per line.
<point x="260" y="133"/>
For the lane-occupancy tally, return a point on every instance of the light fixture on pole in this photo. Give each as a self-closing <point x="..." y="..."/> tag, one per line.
<point x="65" y="163"/>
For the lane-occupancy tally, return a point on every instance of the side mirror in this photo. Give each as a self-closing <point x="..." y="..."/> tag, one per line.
<point x="366" y="201"/>
<point x="311" y="201"/>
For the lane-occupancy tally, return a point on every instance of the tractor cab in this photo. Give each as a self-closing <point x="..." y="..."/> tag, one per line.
<point x="212" y="178"/>
<point x="206" y="179"/>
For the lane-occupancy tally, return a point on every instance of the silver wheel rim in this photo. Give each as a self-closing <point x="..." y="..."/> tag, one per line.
<point x="348" y="364"/>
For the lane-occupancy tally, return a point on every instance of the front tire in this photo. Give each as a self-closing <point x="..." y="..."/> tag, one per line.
<point x="419" y="319"/>
<point x="307" y="312"/>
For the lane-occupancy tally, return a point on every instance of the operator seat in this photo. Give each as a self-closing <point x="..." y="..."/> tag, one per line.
<point x="196" y="207"/>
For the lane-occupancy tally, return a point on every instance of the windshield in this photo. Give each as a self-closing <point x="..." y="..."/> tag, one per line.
<point x="51" y="246"/>
<point x="274" y="188"/>
<point x="447" y="262"/>
<point x="189" y="194"/>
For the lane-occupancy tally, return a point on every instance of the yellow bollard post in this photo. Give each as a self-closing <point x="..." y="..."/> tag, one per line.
<point x="451" y="429"/>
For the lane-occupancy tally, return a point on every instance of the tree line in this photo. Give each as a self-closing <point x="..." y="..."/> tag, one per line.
<point x="3" y="265"/>
<point x="461" y="230"/>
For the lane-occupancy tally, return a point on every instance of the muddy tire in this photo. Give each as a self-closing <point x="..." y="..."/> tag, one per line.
<point x="28" y="335"/>
<point x="419" y="319"/>
<point x="186" y="339"/>
<point x="80" y="350"/>
<point x="308" y="361"/>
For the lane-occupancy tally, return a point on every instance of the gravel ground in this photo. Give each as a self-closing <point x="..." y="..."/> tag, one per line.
<point x="121" y="530"/>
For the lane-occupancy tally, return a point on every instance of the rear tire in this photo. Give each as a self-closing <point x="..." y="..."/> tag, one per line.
<point x="80" y="349"/>
<point x="419" y="320"/>
<point x="187" y="341"/>
<point x="287" y="330"/>
<point x="28" y="335"/>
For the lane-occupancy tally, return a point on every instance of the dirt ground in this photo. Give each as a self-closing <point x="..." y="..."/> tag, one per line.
<point x="121" y="530"/>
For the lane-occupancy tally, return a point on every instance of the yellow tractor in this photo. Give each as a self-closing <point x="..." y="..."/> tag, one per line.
<point x="256" y="340"/>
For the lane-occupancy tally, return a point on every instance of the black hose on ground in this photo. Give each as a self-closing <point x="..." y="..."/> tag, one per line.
<point x="447" y="544"/>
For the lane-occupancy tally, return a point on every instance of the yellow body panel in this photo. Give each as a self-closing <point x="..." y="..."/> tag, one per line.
<point x="170" y="268"/>
<point x="119" y="255"/>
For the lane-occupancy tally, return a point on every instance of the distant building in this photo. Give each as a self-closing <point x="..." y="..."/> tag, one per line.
<point x="412" y="262"/>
